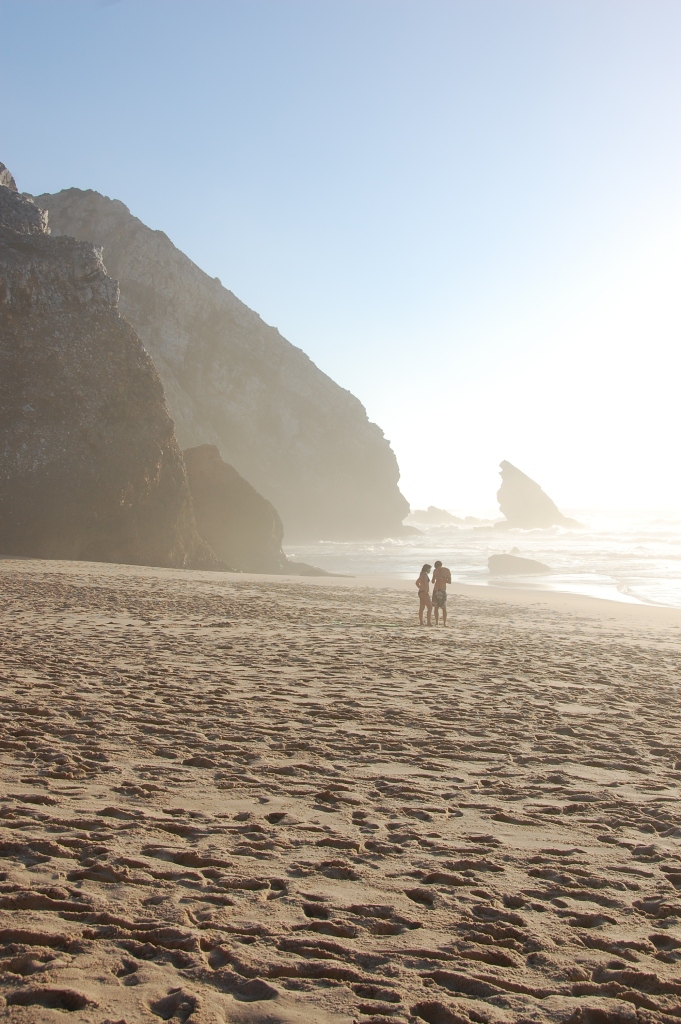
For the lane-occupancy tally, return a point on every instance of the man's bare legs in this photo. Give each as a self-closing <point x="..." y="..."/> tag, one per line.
<point x="441" y="577"/>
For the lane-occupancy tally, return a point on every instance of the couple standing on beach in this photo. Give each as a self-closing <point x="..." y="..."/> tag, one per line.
<point x="441" y="577"/>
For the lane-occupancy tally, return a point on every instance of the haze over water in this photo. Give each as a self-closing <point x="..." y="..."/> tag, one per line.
<point x="634" y="557"/>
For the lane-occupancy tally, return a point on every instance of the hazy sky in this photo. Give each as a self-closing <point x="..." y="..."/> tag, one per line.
<point x="467" y="213"/>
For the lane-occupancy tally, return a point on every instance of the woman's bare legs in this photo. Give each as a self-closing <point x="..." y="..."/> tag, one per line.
<point x="425" y="602"/>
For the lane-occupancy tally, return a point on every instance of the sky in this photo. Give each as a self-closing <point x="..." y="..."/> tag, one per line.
<point x="467" y="212"/>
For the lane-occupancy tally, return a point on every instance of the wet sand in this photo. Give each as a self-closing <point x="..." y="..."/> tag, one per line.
<point x="248" y="799"/>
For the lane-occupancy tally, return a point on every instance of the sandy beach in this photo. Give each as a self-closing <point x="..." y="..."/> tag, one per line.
<point x="230" y="798"/>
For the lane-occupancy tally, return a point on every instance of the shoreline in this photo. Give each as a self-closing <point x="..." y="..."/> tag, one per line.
<point x="582" y="604"/>
<point x="632" y="557"/>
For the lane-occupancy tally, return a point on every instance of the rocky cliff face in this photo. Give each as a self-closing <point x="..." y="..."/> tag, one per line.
<point x="231" y="381"/>
<point x="240" y="526"/>
<point x="525" y="504"/>
<point x="89" y="465"/>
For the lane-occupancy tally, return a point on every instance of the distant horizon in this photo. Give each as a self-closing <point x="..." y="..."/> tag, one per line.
<point x="466" y="213"/>
<point x="483" y="512"/>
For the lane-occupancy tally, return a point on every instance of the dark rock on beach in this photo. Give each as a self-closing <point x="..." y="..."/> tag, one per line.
<point x="89" y="465"/>
<point x="513" y="565"/>
<point x="525" y="504"/>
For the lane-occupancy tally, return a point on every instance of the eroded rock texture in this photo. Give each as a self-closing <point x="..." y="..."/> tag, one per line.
<point x="525" y="504"/>
<point x="241" y="526"/>
<point x="6" y="178"/>
<point x="232" y="381"/>
<point x="89" y="464"/>
<point x="19" y="212"/>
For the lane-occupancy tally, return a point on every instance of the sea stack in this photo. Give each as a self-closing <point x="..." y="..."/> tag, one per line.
<point x="525" y="504"/>
<point x="89" y="465"/>
<point x="232" y="381"/>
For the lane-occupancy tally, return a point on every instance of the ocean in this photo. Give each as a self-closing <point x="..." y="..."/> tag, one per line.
<point x="631" y="557"/>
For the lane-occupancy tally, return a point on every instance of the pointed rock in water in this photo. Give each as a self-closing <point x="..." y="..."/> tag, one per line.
<point x="231" y="380"/>
<point x="525" y="504"/>
<point x="89" y="465"/>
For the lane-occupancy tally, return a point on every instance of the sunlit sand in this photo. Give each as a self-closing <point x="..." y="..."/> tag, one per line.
<point x="231" y="798"/>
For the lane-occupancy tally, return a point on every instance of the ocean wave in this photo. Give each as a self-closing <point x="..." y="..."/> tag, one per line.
<point x="625" y="556"/>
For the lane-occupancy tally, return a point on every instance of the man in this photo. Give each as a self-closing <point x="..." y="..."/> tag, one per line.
<point x="441" y="577"/>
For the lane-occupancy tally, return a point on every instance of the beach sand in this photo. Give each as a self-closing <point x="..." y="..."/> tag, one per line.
<point x="247" y="799"/>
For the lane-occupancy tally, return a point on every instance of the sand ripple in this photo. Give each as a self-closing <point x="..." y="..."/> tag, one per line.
<point x="231" y="801"/>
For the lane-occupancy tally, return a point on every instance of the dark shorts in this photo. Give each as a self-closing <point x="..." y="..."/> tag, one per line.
<point x="439" y="598"/>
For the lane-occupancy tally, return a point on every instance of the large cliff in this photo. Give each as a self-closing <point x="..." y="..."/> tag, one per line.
<point x="230" y="380"/>
<point x="239" y="525"/>
<point x="89" y="465"/>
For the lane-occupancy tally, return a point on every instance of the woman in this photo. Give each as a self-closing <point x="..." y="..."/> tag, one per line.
<point x="423" y="586"/>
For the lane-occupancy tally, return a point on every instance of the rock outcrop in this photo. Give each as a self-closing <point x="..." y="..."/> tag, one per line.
<point x="241" y="527"/>
<point x="524" y="503"/>
<point x="433" y="516"/>
<point x="17" y="212"/>
<point x="89" y="464"/>
<point x="7" y="179"/>
<point x="513" y="565"/>
<point x="230" y="380"/>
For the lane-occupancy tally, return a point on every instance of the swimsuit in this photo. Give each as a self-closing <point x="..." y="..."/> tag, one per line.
<point x="439" y="598"/>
